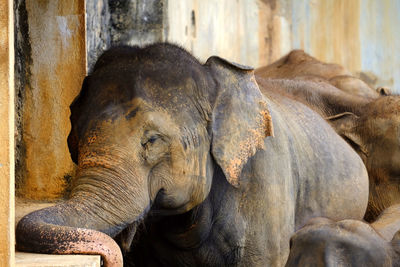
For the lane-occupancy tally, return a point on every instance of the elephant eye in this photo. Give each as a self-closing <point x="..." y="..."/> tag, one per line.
<point x="151" y="140"/>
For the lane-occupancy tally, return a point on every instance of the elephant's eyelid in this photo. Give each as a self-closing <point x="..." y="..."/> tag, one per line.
<point x="151" y="140"/>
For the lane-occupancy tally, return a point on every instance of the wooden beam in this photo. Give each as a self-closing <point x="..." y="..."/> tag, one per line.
<point x="7" y="238"/>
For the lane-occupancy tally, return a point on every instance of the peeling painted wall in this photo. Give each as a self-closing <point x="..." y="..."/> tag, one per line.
<point x="362" y="35"/>
<point x="216" y="27"/>
<point x="7" y="237"/>
<point x="380" y="41"/>
<point x="53" y="72"/>
<point x="229" y="28"/>
<point x="117" y="22"/>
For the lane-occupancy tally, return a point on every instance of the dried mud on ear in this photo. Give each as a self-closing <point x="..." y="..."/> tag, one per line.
<point x="248" y="147"/>
<point x="248" y="138"/>
<point x="253" y="141"/>
<point x="247" y="120"/>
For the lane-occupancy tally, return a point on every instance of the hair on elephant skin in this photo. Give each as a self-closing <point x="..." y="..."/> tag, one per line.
<point x="189" y="164"/>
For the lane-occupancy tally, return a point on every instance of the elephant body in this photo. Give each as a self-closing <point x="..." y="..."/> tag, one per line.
<point x="301" y="66"/>
<point x="324" y="242"/>
<point x="188" y="164"/>
<point x="302" y="173"/>
<point x="370" y="126"/>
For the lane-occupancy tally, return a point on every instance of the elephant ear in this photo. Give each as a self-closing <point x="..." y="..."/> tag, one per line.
<point x="240" y="117"/>
<point x="345" y="124"/>
<point x="384" y="91"/>
<point x="73" y="137"/>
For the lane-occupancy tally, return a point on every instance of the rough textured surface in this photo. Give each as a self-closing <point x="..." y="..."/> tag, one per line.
<point x="359" y="35"/>
<point x="224" y="28"/>
<point x="97" y="30"/>
<point x="22" y="80"/>
<point x="7" y="241"/>
<point x="51" y="66"/>
<point x="116" y="22"/>
<point x="257" y="32"/>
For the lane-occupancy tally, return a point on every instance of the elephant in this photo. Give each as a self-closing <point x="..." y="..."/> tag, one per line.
<point x="300" y="66"/>
<point x="324" y="242"/>
<point x="188" y="164"/>
<point x="371" y="126"/>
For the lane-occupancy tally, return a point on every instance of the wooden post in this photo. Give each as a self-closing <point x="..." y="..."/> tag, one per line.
<point x="7" y="238"/>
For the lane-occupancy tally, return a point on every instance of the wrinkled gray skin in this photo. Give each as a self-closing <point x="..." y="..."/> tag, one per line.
<point x="370" y="126"/>
<point x="324" y="242"/>
<point x="179" y="157"/>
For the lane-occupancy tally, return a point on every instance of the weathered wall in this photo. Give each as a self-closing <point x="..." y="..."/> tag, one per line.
<point x="116" y="22"/>
<point x="216" y="27"/>
<point x="229" y="29"/>
<point x="380" y="41"/>
<point x="7" y="240"/>
<point x="328" y="30"/>
<point x="53" y="72"/>
<point x="361" y="35"/>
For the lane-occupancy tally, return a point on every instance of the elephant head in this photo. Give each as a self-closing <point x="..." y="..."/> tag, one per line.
<point x="324" y="242"/>
<point x="375" y="134"/>
<point x="149" y="127"/>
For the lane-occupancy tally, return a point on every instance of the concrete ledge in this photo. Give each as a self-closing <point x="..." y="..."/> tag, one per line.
<point x="23" y="207"/>
<point x="46" y="260"/>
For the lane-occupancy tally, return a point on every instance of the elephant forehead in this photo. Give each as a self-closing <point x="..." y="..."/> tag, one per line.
<point x="158" y="119"/>
<point x="176" y="95"/>
<point x="138" y="116"/>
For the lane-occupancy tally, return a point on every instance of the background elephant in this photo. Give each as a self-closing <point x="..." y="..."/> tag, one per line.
<point x="175" y="163"/>
<point x="301" y="66"/>
<point x="324" y="242"/>
<point x="371" y="126"/>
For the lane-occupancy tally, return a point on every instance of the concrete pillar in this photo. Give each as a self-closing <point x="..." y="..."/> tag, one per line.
<point x="7" y="239"/>
<point x="53" y="33"/>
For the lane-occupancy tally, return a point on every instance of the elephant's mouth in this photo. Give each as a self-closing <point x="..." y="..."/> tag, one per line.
<point x="125" y="238"/>
<point x="127" y="235"/>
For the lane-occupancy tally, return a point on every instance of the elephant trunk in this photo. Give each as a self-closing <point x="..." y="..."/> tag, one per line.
<point x="100" y="207"/>
<point x="44" y="232"/>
